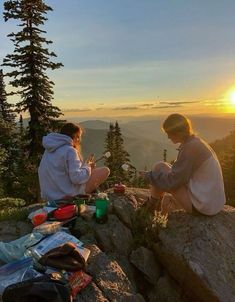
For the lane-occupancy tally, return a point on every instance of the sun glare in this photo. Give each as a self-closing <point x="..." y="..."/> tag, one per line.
<point x="232" y="97"/>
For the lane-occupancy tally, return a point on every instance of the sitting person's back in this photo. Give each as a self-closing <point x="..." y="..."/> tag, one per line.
<point x="62" y="172"/>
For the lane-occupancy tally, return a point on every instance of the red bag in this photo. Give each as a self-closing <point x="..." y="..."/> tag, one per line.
<point x="77" y="281"/>
<point x="65" y="212"/>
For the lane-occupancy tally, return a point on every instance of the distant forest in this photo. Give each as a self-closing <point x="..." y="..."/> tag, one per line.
<point x="225" y="150"/>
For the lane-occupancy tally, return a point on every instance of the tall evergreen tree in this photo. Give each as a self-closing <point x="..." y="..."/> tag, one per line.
<point x="7" y="140"/>
<point x="119" y="156"/>
<point x="29" y="61"/>
<point x="6" y="109"/>
<point x="110" y="146"/>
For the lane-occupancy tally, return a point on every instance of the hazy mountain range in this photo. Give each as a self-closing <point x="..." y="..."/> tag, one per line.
<point x="145" y="141"/>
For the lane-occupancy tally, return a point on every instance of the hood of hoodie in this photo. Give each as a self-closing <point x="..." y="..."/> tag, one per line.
<point x="53" y="141"/>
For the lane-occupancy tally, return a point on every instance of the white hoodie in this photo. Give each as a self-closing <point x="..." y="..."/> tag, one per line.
<point x="61" y="171"/>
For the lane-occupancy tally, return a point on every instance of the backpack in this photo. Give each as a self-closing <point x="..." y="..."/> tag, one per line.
<point x="46" y="288"/>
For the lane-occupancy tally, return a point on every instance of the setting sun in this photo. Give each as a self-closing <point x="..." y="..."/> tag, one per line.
<point x="232" y="97"/>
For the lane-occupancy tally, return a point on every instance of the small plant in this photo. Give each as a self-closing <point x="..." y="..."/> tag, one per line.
<point x="13" y="209"/>
<point x="14" y="214"/>
<point x="9" y="202"/>
<point x="159" y="220"/>
<point x="147" y="226"/>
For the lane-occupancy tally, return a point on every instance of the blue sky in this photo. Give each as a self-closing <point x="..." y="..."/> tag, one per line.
<point x="134" y="57"/>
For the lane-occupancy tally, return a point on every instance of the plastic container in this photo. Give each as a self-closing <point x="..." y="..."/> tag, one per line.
<point x="48" y="227"/>
<point x="101" y="210"/>
<point x="39" y="218"/>
<point x="65" y="212"/>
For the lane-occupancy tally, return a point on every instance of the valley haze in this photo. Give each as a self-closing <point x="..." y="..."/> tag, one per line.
<point x="144" y="139"/>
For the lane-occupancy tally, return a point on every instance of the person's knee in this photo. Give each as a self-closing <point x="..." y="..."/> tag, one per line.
<point x="161" y="165"/>
<point x="107" y="171"/>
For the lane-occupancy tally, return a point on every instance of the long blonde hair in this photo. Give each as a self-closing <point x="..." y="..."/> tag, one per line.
<point x="178" y="124"/>
<point x="71" y="129"/>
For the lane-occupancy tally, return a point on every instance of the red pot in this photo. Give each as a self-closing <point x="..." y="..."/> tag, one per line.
<point x="65" y="212"/>
<point x="119" y="188"/>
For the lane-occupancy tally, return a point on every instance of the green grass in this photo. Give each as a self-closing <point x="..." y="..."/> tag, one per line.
<point x="13" y="209"/>
<point x="9" y="202"/>
<point x="13" y="214"/>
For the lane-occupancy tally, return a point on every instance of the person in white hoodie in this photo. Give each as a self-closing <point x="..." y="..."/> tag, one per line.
<point x="194" y="181"/>
<point x="62" y="171"/>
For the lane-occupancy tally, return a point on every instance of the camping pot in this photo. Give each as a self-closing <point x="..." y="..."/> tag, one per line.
<point x="119" y="188"/>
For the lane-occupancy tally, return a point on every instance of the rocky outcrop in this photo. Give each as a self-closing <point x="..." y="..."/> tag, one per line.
<point x="190" y="259"/>
<point x="11" y="230"/>
<point x="114" y="236"/>
<point x="199" y="253"/>
<point x="145" y="260"/>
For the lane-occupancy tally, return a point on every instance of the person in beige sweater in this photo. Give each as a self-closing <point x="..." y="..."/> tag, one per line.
<point x="194" y="181"/>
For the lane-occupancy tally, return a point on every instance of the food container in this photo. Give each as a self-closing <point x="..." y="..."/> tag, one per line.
<point x="101" y="213"/>
<point x="119" y="188"/>
<point x="39" y="218"/>
<point x="65" y="212"/>
<point x="49" y="227"/>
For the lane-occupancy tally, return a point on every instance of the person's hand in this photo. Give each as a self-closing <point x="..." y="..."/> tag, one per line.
<point x="142" y="173"/>
<point x="90" y="161"/>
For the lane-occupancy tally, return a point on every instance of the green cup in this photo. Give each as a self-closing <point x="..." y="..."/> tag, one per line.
<point x="101" y="208"/>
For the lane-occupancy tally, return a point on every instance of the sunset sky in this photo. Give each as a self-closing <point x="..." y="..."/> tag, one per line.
<point x="140" y="57"/>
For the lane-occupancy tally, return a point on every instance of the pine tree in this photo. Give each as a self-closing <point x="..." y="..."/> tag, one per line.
<point x="109" y="147"/>
<point x="29" y="61"/>
<point x="24" y="178"/>
<point x="6" y="109"/>
<point x="119" y="156"/>
<point x="7" y="140"/>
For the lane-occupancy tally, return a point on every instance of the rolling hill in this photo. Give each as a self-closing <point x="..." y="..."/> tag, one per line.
<point x="145" y="141"/>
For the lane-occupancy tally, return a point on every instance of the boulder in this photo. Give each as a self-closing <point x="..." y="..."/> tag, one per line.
<point x="199" y="252"/>
<point x="114" y="236"/>
<point x="124" y="208"/>
<point x="165" y="291"/>
<point x="146" y="262"/>
<point x="91" y="293"/>
<point x="110" y="278"/>
<point x="11" y="230"/>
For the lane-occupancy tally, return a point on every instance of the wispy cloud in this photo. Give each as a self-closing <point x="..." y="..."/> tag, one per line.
<point x="126" y="108"/>
<point x="147" y="105"/>
<point x="76" y="110"/>
<point x="179" y="103"/>
<point x="166" y="106"/>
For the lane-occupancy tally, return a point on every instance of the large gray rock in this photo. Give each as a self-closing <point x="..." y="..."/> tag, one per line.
<point x="90" y="294"/>
<point x="110" y="278"/>
<point x="199" y="252"/>
<point x="165" y="291"/>
<point x="128" y="268"/>
<point x="12" y="230"/>
<point x="146" y="262"/>
<point x="125" y="209"/>
<point x="114" y="236"/>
